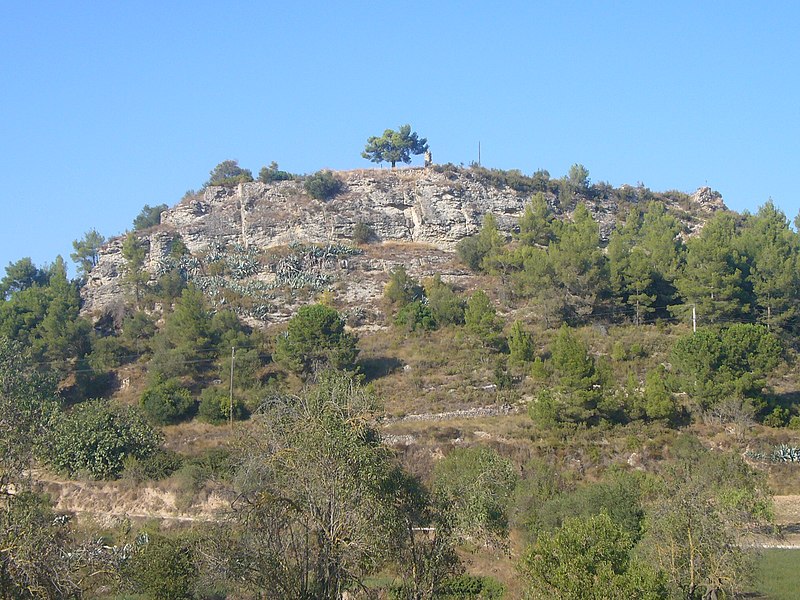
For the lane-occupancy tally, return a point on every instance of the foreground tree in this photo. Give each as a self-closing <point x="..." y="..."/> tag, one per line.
<point x="395" y="146"/>
<point x="34" y="558"/>
<point x="476" y="483"/>
<point x="695" y="527"/>
<point x="588" y="558"/>
<point x="316" y="495"/>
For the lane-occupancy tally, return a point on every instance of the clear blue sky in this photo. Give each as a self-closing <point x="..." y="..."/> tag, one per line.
<point x="107" y="106"/>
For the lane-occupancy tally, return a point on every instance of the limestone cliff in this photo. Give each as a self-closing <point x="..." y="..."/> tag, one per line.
<point x="432" y="209"/>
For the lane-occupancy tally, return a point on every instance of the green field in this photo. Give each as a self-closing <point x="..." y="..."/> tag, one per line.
<point x="778" y="575"/>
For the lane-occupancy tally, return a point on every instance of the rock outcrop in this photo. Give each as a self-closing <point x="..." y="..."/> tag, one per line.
<point x="435" y="207"/>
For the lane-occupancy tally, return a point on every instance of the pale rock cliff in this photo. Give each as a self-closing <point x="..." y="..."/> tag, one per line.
<point x="434" y="208"/>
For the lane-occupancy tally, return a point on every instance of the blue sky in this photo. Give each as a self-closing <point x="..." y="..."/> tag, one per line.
<point x="105" y="107"/>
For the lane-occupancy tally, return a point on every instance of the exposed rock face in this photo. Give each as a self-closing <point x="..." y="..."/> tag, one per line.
<point x="707" y="199"/>
<point x="404" y="205"/>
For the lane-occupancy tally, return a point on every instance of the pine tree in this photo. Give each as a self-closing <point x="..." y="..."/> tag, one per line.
<point x="713" y="279"/>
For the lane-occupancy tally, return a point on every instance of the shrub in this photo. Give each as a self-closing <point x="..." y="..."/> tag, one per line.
<point x="415" y="315"/>
<point x="166" y="402"/>
<point x="446" y="307"/>
<point x="402" y="289"/>
<point x="520" y="344"/>
<point x="476" y="482"/>
<point x="271" y="174"/>
<point x="481" y="319"/>
<point x="96" y="437"/>
<point x="163" y="568"/>
<point x="229" y="173"/>
<point x="316" y="339"/>
<point x="215" y="406"/>
<point x="159" y="465"/>
<point x="363" y="233"/>
<point x="323" y="185"/>
<point x="779" y="417"/>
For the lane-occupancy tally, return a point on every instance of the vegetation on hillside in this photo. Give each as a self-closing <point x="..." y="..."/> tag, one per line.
<point x="603" y="357"/>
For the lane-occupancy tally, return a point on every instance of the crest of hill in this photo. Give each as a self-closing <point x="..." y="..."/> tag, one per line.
<point x="435" y="207"/>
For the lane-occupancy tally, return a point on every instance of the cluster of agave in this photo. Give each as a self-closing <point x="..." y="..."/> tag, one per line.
<point x="780" y="454"/>
<point x="786" y="453"/>
<point x="306" y="267"/>
<point x="187" y="265"/>
<point x="99" y="553"/>
<point x="240" y="262"/>
<point x="324" y="251"/>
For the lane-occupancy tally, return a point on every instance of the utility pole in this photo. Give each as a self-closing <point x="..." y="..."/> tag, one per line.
<point x="230" y="404"/>
<point x="479" y="153"/>
<point x="694" y="318"/>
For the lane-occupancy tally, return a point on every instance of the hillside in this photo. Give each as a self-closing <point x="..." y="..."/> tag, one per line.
<point x="433" y="375"/>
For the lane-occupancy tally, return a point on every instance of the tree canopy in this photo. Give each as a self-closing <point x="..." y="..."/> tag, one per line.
<point x="229" y="173"/>
<point x="316" y="339"/>
<point x="395" y="146"/>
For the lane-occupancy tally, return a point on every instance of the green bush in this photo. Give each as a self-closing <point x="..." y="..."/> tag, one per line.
<point x="481" y="319"/>
<point x="323" y="185"/>
<point x="271" y="174"/>
<point x="166" y="402"/>
<point x="779" y="417"/>
<point x="159" y="465"/>
<point x="363" y="233"/>
<point x="402" y="289"/>
<point x="520" y="344"/>
<point x="96" y="437"/>
<point x="446" y="307"/>
<point x="316" y="339"/>
<point x="163" y="568"/>
<point x="215" y="406"/>
<point x="415" y="315"/>
<point x="476" y="483"/>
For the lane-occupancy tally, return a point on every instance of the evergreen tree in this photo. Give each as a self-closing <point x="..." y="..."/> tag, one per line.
<point x="577" y="380"/>
<point x="446" y="307"/>
<point x="520" y="344"/>
<point x="20" y="276"/>
<point x="537" y="225"/>
<point x="713" y="279"/>
<point x="136" y="278"/>
<point x="186" y="344"/>
<point x="315" y="340"/>
<point x="579" y="264"/>
<point x="772" y="251"/>
<point x="481" y="319"/>
<point x="478" y="250"/>
<point x="87" y="251"/>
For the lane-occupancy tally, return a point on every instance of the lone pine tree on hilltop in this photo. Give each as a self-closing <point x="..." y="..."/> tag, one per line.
<point x="395" y="146"/>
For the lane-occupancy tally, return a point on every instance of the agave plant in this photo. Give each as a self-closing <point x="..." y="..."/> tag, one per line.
<point x="785" y="453"/>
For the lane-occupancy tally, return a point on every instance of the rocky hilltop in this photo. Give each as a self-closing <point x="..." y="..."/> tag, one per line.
<point x="417" y="217"/>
